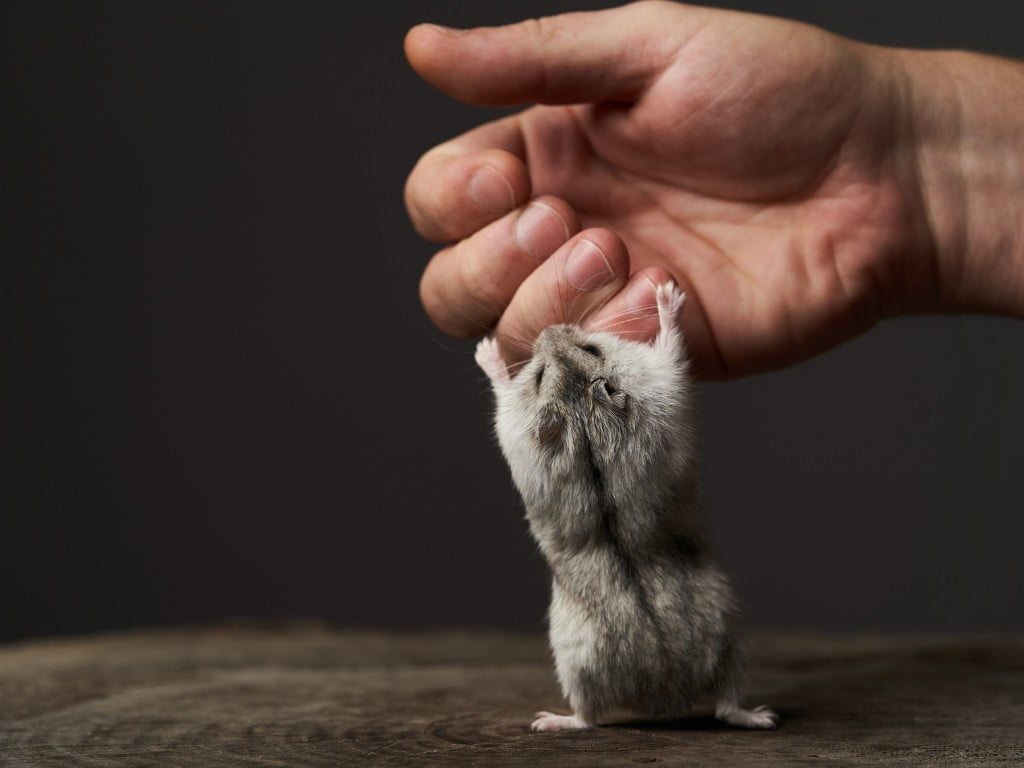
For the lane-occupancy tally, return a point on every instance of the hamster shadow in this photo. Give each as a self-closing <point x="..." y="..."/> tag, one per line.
<point x="693" y="723"/>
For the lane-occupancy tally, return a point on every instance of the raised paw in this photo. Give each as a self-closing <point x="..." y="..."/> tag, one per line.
<point x="489" y="359"/>
<point x="761" y="717"/>
<point x="670" y="301"/>
<point x="548" y="721"/>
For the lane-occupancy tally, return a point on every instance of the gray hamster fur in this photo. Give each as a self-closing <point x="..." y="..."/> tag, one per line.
<point x="598" y="434"/>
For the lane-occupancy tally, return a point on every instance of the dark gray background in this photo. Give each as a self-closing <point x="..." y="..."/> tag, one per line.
<point x="219" y="396"/>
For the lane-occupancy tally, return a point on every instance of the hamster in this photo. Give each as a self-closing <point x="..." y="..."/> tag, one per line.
<point x="598" y="432"/>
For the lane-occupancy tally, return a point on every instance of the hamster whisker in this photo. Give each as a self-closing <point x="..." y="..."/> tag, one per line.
<point x="558" y="308"/>
<point x="518" y="342"/>
<point x="624" y="317"/>
<point x="473" y="322"/>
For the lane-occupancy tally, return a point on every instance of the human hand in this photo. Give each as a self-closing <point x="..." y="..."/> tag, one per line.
<point x="768" y="167"/>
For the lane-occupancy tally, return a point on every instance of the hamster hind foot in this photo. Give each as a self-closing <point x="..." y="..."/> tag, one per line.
<point x="548" y="721"/>
<point x="736" y="716"/>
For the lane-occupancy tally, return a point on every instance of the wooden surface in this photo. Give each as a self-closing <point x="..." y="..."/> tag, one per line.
<point x="303" y="695"/>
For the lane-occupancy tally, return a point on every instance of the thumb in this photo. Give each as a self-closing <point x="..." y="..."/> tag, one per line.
<point x="565" y="59"/>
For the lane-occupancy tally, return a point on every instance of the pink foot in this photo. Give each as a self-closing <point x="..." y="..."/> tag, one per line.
<point x="548" y="721"/>
<point x="761" y="717"/>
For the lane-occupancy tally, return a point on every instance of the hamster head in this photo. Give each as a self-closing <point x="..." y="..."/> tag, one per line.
<point x="591" y="400"/>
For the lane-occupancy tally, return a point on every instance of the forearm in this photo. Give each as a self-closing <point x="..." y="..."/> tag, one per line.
<point x="966" y="123"/>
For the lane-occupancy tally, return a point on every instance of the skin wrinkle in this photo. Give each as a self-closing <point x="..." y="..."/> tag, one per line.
<point x="544" y="30"/>
<point x="588" y="148"/>
<point x="652" y="50"/>
<point x="851" y="295"/>
<point x="540" y="29"/>
<point x="828" y="253"/>
<point x="478" y="292"/>
<point x="850" y="145"/>
<point x="692" y="227"/>
<point x="862" y="284"/>
<point x="525" y="153"/>
<point x="721" y="93"/>
<point x="679" y="63"/>
<point x="960" y="183"/>
<point x="431" y="301"/>
<point x="824" y="251"/>
<point x="908" y="135"/>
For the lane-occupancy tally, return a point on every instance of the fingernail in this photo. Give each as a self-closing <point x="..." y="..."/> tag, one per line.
<point x="587" y="267"/>
<point x="490" y="190"/>
<point x="540" y="229"/>
<point x="639" y="298"/>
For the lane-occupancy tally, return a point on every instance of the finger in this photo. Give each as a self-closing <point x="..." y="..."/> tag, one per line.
<point x="465" y="288"/>
<point x="575" y="282"/>
<point x="472" y="180"/>
<point x="632" y="312"/>
<point x="565" y="59"/>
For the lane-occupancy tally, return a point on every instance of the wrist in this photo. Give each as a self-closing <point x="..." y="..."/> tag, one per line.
<point x="964" y="130"/>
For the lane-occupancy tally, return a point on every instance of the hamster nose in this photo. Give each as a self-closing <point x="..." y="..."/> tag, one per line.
<point x="551" y="337"/>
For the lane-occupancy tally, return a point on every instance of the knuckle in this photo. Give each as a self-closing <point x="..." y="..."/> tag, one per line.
<point x="415" y="206"/>
<point x="439" y="304"/>
<point x="423" y="198"/>
<point x="479" y="280"/>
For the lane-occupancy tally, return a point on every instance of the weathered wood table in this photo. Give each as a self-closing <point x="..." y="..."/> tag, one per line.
<point x="304" y="695"/>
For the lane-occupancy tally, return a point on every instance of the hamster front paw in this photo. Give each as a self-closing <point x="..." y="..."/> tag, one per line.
<point x="670" y="301"/>
<point x="489" y="359"/>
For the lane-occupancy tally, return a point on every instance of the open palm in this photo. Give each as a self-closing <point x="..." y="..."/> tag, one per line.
<point x="755" y="160"/>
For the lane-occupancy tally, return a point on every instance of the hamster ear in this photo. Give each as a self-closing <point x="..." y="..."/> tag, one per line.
<point x="550" y="427"/>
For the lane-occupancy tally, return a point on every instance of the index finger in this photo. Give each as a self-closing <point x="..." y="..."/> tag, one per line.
<point x="466" y="183"/>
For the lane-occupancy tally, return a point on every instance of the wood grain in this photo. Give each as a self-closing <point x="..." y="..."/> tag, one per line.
<point x="304" y="695"/>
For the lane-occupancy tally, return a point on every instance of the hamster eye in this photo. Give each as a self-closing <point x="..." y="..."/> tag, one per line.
<point x="540" y="376"/>
<point x="590" y="349"/>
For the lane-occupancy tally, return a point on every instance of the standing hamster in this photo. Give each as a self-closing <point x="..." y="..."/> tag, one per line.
<point x="598" y="434"/>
